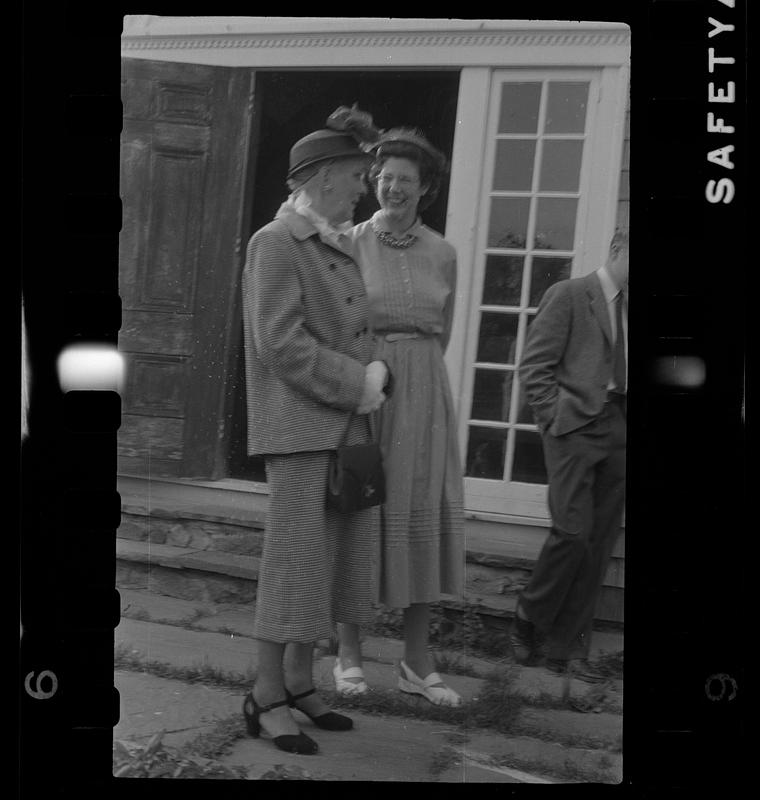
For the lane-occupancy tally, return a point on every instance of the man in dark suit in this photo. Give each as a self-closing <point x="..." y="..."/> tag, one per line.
<point x="573" y="370"/>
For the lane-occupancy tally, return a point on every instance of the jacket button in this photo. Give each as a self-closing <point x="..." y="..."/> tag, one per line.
<point x="348" y="300"/>
<point x="332" y="266"/>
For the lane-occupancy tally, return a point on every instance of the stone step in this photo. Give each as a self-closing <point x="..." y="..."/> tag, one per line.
<point x="238" y="620"/>
<point x="236" y="652"/>
<point x="229" y="516"/>
<point x="377" y="749"/>
<point x="213" y="577"/>
<point x="236" y="657"/>
<point x="209" y="531"/>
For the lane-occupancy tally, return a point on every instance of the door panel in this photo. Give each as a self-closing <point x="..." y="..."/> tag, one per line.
<point x="184" y="159"/>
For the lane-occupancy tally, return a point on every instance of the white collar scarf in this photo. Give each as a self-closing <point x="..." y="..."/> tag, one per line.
<point x="301" y="204"/>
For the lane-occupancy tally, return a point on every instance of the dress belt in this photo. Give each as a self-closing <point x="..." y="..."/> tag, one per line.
<point x="397" y="336"/>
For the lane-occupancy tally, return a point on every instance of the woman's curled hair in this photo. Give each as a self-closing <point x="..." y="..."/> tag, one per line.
<point x="411" y="144"/>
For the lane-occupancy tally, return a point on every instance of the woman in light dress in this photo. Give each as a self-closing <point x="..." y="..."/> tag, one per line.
<point x="410" y="275"/>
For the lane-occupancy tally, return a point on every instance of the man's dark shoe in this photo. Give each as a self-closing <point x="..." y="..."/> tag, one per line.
<point x="524" y="640"/>
<point x="578" y="668"/>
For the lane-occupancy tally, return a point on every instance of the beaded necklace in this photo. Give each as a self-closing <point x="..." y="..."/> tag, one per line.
<point x="387" y="238"/>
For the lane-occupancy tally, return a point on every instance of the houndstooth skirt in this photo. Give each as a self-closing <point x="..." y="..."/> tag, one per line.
<point x="317" y="565"/>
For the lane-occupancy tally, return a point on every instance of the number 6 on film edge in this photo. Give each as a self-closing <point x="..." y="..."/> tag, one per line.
<point x="38" y="693"/>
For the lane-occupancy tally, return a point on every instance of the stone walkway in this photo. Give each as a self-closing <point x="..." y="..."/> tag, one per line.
<point x="381" y="747"/>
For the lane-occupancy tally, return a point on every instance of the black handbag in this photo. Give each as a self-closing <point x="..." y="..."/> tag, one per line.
<point x="356" y="479"/>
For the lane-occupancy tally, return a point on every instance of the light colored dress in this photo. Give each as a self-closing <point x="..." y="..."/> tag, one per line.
<point x="411" y="297"/>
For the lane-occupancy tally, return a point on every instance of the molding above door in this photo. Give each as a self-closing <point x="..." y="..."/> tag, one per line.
<point x="326" y="42"/>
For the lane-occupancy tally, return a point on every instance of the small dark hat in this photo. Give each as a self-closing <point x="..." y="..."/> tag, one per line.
<point x="347" y="134"/>
<point x="414" y="137"/>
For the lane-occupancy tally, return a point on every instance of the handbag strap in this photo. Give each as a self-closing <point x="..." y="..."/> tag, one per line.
<point x="344" y="438"/>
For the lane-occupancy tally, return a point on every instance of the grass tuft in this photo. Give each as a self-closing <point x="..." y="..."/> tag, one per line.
<point x="126" y="658"/>
<point x="441" y="760"/>
<point x="567" y="772"/>
<point x="497" y="706"/>
<point x="609" y="664"/>
<point x="154" y="759"/>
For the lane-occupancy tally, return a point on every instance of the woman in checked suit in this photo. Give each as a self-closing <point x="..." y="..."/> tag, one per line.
<point x="309" y="365"/>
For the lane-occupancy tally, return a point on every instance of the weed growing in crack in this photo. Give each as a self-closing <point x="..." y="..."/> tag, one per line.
<point x="457" y="737"/>
<point x="128" y="659"/>
<point x="567" y="739"/>
<point x="609" y="664"/>
<point x="496" y="707"/>
<point x="289" y="772"/>
<point x="441" y="760"/>
<point x="567" y="772"/>
<point x="156" y="760"/>
<point x="451" y="663"/>
<point x="191" y="619"/>
<point x="218" y="741"/>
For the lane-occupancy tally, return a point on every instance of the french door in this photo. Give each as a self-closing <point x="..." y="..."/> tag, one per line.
<point x="544" y="213"/>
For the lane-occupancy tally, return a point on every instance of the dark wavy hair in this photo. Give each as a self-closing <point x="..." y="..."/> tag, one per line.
<point x="409" y="143"/>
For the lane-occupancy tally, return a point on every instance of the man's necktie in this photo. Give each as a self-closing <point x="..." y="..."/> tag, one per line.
<point x="618" y="368"/>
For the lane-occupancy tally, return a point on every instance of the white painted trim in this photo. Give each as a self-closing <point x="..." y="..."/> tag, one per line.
<point x="605" y="141"/>
<point x="153" y="25"/>
<point x="341" y="42"/>
<point x="508" y="519"/>
<point x="462" y="212"/>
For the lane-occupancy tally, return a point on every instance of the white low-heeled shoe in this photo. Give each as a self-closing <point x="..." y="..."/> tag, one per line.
<point x="431" y="688"/>
<point x="346" y="687"/>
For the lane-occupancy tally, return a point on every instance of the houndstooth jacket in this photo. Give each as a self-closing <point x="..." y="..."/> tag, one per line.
<point x="306" y="337"/>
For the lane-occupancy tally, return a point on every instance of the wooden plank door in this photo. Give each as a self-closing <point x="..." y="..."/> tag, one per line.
<point x="184" y="156"/>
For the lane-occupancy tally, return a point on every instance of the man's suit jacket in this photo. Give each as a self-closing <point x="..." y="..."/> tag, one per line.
<point x="567" y="361"/>
<point x="306" y="337"/>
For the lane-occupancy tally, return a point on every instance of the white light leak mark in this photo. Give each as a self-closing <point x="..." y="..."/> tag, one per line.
<point x="91" y="367"/>
<point x="687" y="372"/>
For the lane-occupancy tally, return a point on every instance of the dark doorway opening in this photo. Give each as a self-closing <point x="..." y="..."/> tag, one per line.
<point x="293" y="103"/>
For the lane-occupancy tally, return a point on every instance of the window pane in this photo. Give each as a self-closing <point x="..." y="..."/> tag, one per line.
<point x="528" y="465"/>
<point x="503" y="280"/>
<point x="492" y="395"/>
<point x="519" y="107"/>
<point x="485" y="453"/>
<point x="561" y="165"/>
<point x="524" y="413"/>
<point x="544" y="272"/>
<point x="508" y="225"/>
<point x="513" y="169"/>
<point x="555" y="223"/>
<point x="497" y="339"/>
<point x="566" y="107"/>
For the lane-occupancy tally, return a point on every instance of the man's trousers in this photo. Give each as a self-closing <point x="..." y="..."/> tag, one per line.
<point x="586" y="470"/>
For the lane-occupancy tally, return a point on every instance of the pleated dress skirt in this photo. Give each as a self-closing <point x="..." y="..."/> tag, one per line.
<point x="421" y="553"/>
<point x="318" y="565"/>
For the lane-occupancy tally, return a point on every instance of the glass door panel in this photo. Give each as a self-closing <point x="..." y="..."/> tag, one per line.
<point x="538" y="142"/>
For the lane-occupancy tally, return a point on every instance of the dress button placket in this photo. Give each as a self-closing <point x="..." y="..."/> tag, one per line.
<point x="405" y="268"/>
